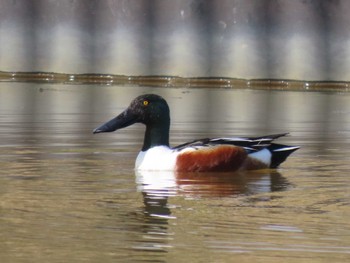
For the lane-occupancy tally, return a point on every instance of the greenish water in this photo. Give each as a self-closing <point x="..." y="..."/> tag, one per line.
<point x="69" y="195"/>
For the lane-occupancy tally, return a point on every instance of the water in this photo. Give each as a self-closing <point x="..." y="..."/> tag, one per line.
<point x="67" y="194"/>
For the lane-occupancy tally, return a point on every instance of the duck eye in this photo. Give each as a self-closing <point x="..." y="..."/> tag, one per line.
<point x="145" y="102"/>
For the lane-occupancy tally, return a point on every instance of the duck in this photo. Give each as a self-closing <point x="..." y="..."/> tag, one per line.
<point x="226" y="154"/>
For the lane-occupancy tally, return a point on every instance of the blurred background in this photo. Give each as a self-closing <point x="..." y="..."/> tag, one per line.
<point x="299" y="39"/>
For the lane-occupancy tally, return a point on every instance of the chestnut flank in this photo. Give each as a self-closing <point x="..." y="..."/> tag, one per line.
<point x="218" y="158"/>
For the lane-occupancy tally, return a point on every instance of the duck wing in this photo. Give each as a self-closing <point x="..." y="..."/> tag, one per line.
<point x="251" y="144"/>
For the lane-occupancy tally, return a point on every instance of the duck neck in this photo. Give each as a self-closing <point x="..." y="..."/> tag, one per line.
<point x="156" y="135"/>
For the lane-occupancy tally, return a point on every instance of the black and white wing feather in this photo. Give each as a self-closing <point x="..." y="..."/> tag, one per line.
<point x="251" y="144"/>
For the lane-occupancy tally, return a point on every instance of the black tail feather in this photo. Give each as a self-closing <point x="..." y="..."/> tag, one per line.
<point x="280" y="153"/>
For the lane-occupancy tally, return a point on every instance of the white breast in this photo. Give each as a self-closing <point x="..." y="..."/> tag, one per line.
<point x="156" y="159"/>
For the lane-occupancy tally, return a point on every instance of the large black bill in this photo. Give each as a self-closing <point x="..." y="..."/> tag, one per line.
<point x="123" y="120"/>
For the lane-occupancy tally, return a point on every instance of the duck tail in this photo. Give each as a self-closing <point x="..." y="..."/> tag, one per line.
<point x="280" y="153"/>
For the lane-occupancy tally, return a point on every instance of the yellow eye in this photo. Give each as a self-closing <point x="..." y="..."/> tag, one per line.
<point x="145" y="102"/>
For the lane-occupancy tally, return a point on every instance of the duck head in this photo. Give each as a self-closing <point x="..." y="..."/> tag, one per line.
<point x="151" y="110"/>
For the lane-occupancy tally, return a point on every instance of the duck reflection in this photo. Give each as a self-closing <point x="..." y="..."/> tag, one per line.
<point x="156" y="215"/>
<point x="156" y="184"/>
<point x="156" y="187"/>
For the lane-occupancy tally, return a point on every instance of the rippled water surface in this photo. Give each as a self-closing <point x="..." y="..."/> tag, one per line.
<point x="69" y="195"/>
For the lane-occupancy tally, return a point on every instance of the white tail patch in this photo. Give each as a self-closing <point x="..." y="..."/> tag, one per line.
<point x="263" y="156"/>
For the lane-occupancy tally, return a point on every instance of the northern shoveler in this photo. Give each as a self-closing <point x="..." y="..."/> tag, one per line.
<point x="219" y="154"/>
